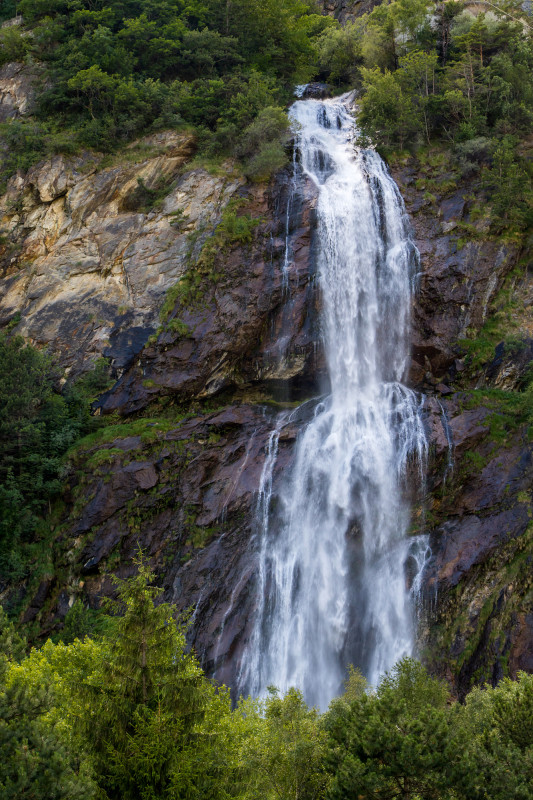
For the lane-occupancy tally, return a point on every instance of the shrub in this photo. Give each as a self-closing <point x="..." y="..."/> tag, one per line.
<point x="13" y="45"/>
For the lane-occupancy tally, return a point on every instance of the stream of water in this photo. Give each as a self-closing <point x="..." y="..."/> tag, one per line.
<point x="333" y="548"/>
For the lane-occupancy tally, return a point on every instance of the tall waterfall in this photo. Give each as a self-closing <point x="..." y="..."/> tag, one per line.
<point x="333" y="583"/>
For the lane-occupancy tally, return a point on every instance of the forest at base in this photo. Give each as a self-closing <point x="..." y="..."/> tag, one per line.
<point x="127" y="714"/>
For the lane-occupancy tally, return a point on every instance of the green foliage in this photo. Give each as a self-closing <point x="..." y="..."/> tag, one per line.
<point x="395" y="743"/>
<point x="144" y="198"/>
<point x="340" y="53"/>
<point x="269" y="159"/>
<point x="387" y="109"/>
<point x="130" y="714"/>
<point x="114" y="71"/>
<point x="137" y="703"/>
<point x="497" y="724"/>
<point x="8" y="9"/>
<point x="463" y="78"/>
<point x="232" y="229"/>
<point x="12" y="644"/>
<point x="82" y="621"/>
<point x="177" y="326"/>
<point x="37" y="426"/>
<point x="262" y="143"/>
<point x="36" y="761"/>
<point x="285" y="754"/>
<point x="13" y="46"/>
<point x="509" y="181"/>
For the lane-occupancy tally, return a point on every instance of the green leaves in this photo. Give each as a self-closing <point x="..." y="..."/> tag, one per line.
<point x="131" y="715"/>
<point x="395" y="743"/>
<point x="119" y="69"/>
<point x="37" y="426"/>
<point x="285" y="750"/>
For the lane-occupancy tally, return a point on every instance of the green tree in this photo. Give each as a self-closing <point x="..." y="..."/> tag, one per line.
<point x="12" y="644"/>
<point x="395" y="743"/>
<point x="35" y="760"/>
<point x="510" y="183"/>
<point x="285" y="750"/>
<point x="263" y="142"/>
<point x="140" y="705"/>
<point x="388" y="113"/>
<point x="340" y="52"/>
<point x="37" y="426"/>
<point x="498" y="735"/>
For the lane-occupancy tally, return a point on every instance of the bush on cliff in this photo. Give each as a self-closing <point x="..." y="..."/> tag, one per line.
<point x="37" y="426"/>
<point x="442" y="73"/>
<point x="116" y="70"/>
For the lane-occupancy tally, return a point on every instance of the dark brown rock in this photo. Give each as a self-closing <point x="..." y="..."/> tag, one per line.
<point x="459" y="276"/>
<point x="478" y="584"/>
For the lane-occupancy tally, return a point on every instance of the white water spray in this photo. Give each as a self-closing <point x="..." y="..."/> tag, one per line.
<point x="333" y="552"/>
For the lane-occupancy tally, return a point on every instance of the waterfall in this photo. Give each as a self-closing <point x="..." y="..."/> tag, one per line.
<point x="333" y="549"/>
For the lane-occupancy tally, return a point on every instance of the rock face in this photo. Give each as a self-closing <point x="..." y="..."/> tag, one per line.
<point x="87" y="262"/>
<point x="253" y="328"/>
<point x="17" y="92"/>
<point x="186" y="490"/>
<point x="478" y="584"/>
<point x="477" y="596"/>
<point x="461" y="273"/>
<point x="347" y="10"/>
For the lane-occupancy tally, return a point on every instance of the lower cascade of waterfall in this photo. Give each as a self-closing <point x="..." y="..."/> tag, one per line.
<point x="337" y="571"/>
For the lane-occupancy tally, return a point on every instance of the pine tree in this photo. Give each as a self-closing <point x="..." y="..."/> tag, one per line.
<point x="143" y="705"/>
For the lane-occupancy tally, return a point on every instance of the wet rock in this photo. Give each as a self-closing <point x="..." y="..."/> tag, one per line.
<point x="188" y="496"/>
<point x="521" y="655"/>
<point x="346" y="10"/>
<point x="38" y="600"/>
<point x="477" y="586"/>
<point x="511" y="366"/>
<point x="316" y="91"/>
<point x="458" y="278"/>
<point x="466" y="542"/>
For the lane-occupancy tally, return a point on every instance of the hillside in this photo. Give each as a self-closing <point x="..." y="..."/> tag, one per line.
<point x="150" y="199"/>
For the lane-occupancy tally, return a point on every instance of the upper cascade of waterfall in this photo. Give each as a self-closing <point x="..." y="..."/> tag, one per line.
<point x="366" y="251"/>
<point x="333" y="552"/>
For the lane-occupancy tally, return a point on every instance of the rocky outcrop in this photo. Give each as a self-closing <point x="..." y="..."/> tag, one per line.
<point x="478" y="510"/>
<point x="347" y="10"/>
<point x="185" y="488"/>
<point x="478" y="585"/>
<point x="90" y="250"/>
<point x="462" y="268"/>
<point x="253" y="327"/>
<point x="17" y="90"/>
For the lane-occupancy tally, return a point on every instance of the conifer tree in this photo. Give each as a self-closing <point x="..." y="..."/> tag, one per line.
<point x="142" y="707"/>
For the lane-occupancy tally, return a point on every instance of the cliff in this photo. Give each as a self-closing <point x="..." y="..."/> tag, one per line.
<point x="210" y="327"/>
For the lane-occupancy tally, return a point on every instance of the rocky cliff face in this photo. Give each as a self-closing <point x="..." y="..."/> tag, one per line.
<point x="347" y="10"/>
<point x="181" y="481"/>
<point x="478" y="510"/>
<point x="17" y="94"/>
<point x="90" y="250"/>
